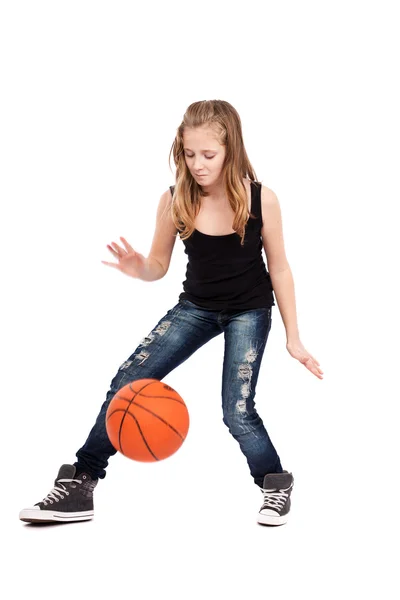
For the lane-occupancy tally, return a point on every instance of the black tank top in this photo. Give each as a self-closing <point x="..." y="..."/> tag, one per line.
<point x="221" y="274"/>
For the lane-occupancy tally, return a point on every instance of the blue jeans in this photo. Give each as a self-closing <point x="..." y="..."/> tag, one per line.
<point x="183" y="330"/>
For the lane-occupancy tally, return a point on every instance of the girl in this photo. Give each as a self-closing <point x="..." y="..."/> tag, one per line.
<point x="224" y="217"/>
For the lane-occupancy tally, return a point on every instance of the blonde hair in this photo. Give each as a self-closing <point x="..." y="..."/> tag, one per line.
<point x="186" y="201"/>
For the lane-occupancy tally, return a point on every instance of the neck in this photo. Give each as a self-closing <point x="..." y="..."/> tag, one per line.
<point x="217" y="193"/>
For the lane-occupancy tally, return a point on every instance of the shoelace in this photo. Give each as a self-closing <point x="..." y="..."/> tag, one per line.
<point x="59" y="491"/>
<point x="275" y="498"/>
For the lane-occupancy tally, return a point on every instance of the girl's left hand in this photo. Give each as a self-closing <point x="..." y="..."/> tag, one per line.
<point x="297" y="350"/>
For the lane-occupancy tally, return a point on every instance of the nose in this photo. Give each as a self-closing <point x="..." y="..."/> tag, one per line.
<point x="197" y="165"/>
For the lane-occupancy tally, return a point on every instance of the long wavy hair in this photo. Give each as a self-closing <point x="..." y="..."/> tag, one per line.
<point x="225" y="121"/>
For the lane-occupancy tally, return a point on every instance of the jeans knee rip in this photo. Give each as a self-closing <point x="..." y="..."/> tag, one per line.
<point x="146" y="341"/>
<point x="245" y="373"/>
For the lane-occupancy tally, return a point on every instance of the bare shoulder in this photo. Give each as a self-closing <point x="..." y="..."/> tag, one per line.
<point x="167" y="196"/>
<point x="165" y="203"/>
<point x="268" y="196"/>
<point x="269" y="204"/>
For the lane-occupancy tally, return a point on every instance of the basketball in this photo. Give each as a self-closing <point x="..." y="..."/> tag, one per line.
<point x="147" y="420"/>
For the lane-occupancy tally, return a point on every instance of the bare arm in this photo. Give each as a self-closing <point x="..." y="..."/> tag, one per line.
<point x="163" y="240"/>
<point x="282" y="279"/>
<point x="278" y="266"/>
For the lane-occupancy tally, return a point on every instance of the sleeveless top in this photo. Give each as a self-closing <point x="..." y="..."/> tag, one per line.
<point x="221" y="274"/>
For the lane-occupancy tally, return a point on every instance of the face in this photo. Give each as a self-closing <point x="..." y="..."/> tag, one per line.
<point x="204" y="155"/>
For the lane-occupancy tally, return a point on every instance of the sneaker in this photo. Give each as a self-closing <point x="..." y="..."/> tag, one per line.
<point x="71" y="499"/>
<point x="276" y="488"/>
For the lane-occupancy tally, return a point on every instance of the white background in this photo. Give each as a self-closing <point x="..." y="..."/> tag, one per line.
<point x="92" y="94"/>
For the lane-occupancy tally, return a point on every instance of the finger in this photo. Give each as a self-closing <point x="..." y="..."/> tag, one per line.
<point x="127" y="245"/>
<point x="313" y="370"/>
<point x="110" y="264"/>
<point x="308" y="363"/>
<point x="119" y="253"/>
<point x="112" y="250"/>
<point x="316" y="372"/>
<point x="316" y="363"/>
<point x="318" y="367"/>
<point x="119" y="249"/>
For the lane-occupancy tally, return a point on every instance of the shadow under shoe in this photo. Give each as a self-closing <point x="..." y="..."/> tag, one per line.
<point x="71" y="499"/>
<point x="277" y="488"/>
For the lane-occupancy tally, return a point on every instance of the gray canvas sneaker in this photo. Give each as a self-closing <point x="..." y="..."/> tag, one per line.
<point x="71" y="499"/>
<point x="277" y="488"/>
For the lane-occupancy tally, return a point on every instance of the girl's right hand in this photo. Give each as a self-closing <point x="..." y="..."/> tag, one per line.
<point x="130" y="262"/>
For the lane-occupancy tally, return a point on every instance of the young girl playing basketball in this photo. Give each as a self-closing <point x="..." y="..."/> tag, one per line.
<point x="224" y="217"/>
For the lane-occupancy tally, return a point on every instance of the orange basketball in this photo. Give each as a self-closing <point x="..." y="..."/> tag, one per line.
<point x="147" y="420"/>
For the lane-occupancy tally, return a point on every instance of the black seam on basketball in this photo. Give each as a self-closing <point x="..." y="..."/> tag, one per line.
<point x="124" y="410"/>
<point x="132" y="390"/>
<point x="141" y="433"/>
<point x="114" y="411"/>
<point x="132" y="400"/>
<point x="166" y="397"/>
<point x="146" y="385"/>
<point x="160" y="418"/>
<point x="127" y="408"/>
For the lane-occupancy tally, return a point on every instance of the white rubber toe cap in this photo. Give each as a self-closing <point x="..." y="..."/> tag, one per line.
<point x="268" y="512"/>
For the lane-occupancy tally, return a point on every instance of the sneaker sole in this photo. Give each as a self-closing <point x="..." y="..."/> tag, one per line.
<point x="41" y="516"/>
<point x="270" y="520"/>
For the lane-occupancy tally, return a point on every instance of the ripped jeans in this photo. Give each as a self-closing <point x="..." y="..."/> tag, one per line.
<point x="183" y="330"/>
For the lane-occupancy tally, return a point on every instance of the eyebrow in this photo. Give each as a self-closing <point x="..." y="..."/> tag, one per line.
<point x="206" y="150"/>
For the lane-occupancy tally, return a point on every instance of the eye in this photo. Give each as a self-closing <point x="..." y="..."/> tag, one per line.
<point x="207" y="157"/>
